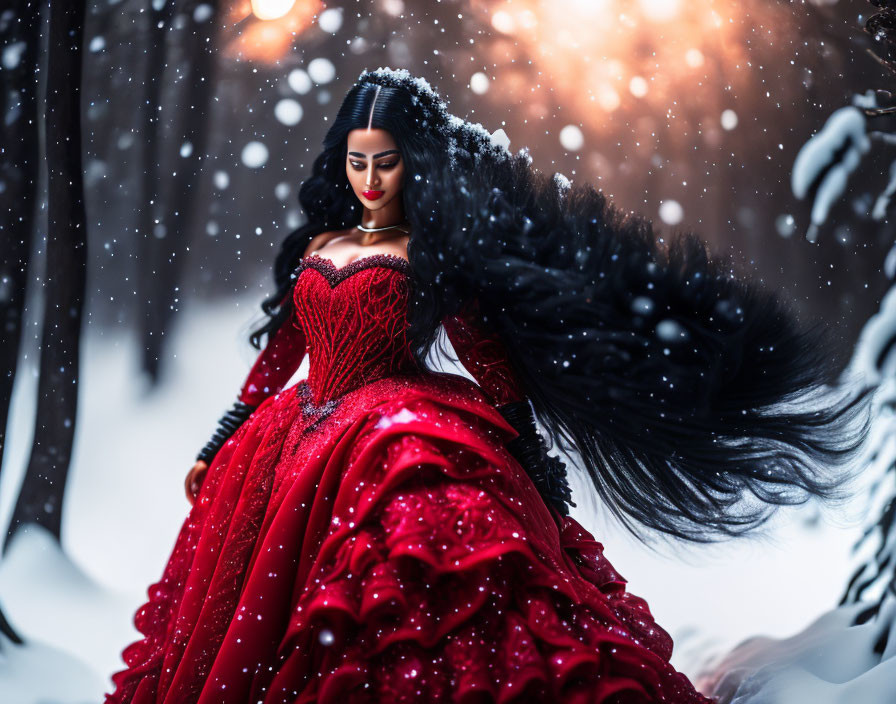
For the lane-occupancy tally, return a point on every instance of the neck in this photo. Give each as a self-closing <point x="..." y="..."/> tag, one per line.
<point x="390" y="214"/>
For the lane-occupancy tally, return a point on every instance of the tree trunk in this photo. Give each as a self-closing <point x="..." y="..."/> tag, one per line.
<point x="151" y="224"/>
<point x="41" y="495"/>
<point x="166" y="251"/>
<point x="19" y="173"/>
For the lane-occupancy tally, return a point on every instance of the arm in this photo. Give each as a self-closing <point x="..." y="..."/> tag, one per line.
<point x="274" y="366"/>
<point x="276" y="363"/>
<point x="482" y="353"/>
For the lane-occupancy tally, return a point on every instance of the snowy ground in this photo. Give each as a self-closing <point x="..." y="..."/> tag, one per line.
<point x="125" y="504"/>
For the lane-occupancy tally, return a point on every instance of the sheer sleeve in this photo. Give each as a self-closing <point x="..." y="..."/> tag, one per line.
<point x="275" y="364"/>
<point x="483" y="355"/>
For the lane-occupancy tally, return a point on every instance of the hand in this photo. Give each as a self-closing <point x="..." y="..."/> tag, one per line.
<point x="194" y="480"/>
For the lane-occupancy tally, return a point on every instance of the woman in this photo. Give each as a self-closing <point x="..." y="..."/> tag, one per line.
<point x="382" y="532"/>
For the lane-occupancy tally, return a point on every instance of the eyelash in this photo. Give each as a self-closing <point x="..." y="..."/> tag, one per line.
<point x="358" y="166"/>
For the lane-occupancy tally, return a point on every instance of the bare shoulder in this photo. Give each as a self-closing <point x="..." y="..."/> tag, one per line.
<point x="318" y="241"/>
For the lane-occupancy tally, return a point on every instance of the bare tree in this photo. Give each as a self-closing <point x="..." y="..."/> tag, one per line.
<point x="151" y="220"/>
<point x="20" y="29"/>
<point x="170" y="207"/>
<point x="41" y="495"/>
<point x="19" y="172"/>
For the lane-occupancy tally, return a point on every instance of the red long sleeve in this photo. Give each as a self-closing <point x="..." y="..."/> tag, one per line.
<point x="483" y="355"/>
<point x="276" y="363"/>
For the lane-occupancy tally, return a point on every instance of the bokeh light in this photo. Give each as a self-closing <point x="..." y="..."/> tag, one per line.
<point x="571" y="138"/>
<point x="265" y="30"/>
<point x="271" y="9"/>
<point x="604" y="59"/>
<point x="479" y="83"/>
<point x="728" y="119"/>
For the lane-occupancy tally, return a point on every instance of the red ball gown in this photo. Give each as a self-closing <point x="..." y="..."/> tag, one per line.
<point x="365" y="536"/>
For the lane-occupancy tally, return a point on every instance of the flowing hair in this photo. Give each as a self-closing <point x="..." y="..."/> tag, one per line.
<point x="418" y="121"/>
<point x="691" y="396"/>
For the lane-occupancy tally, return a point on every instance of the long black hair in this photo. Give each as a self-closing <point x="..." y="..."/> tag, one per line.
<point x="418" y="121"/>
<point x="689" y="394"/>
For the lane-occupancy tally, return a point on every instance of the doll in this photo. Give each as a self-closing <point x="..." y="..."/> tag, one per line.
<point x="384" y="532"/>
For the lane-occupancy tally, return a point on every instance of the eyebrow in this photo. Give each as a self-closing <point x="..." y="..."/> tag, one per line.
<point x="375" y="156"/>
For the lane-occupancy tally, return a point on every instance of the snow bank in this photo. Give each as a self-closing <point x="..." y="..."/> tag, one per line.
<point x="72" y="627"/>
<point x="831" y="662"/>
<point x="39" y="674"/>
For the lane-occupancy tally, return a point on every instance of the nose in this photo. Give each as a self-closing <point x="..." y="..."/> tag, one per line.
<point x="372" y="178"/>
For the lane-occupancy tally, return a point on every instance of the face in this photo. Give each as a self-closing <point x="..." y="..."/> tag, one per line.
<point x="374" y="167"/>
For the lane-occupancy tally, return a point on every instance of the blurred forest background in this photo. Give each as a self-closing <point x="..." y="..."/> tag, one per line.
<point x="152" y="151"/>
<point x="200" y="121"/>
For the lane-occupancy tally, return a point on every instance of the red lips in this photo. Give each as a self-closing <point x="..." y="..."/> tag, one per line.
<point x="372" y="195"/>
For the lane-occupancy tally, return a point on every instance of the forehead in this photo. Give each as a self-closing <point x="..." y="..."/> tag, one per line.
<point x="370" y="141"/>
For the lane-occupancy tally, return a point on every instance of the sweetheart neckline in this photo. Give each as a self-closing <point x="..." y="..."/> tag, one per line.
<point x="336" y="274"/>
<point x="355" y="261"/>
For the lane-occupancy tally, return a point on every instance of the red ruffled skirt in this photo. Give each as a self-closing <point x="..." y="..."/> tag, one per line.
<point x="387" y="547"/>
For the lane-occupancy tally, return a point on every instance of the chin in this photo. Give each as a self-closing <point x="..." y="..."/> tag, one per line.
<point x="380" y="202"/>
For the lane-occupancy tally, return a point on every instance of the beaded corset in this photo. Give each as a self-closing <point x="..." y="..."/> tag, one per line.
<point x="355" y="321"/>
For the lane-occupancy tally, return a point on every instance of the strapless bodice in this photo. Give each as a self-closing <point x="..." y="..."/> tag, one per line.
<point x="355" y="321"/>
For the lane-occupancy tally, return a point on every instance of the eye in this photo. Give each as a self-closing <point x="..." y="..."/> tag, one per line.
<point x="357" y="165"/>
<point x="389" y="165"/>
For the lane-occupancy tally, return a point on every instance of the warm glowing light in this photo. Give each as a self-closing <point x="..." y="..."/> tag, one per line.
<point x="660" y="10"/>
<point x="608" y="98"/>
<point x="609" y="62"/>
<point x="527" y="19"/>
<point x="267" y="29"/>
<point x="590" y="7"/>
<point x="571" y="138"/>
<point x="503" y="22"/>
<point x="271" y="9"/>
<point x="693" y="58"/>
<point x="393" y="7"/>
<point x="615" y="69"/>
<point x="638" y="86"/>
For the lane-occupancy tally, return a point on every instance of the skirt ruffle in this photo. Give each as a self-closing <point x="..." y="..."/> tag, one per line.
<point x="388" y="549"/>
